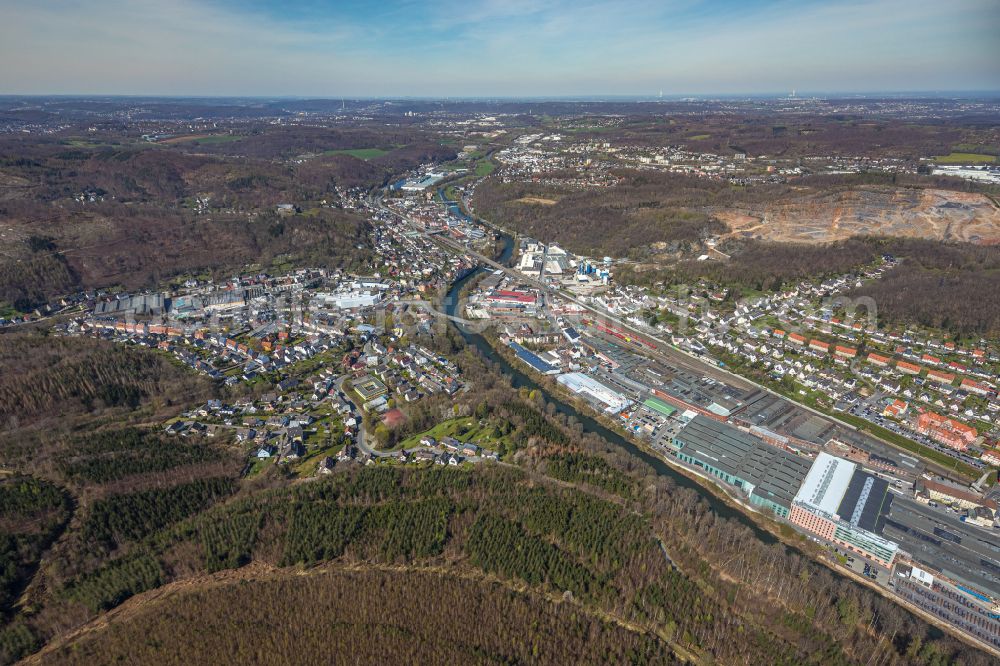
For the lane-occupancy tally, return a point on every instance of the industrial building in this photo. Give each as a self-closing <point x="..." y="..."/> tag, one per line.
<point x="768" y="475"/>
<point x="141" y="304"/>
<point x="571" y="335"/>
<point x="421" y="183"/>
<point x="226" y="299"/>
<point x="846" y="505"/>
<point x="533" y="360"/>
<point x="349" y="300"/>
<point x="581" y="384"/>
<point x="660" y="407"/>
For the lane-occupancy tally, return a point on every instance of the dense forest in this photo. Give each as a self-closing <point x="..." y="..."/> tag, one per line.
<point x="937" y="285"/>
<point x="32" y="512"/>
<point x="593" y="553"/>
<point x="140" y="245"/>
<point x="111" y="455"/>
<point x="50" y="380"/>
<point x="623" y="545"/>
<point x="760" y="266"/>
<point x="948" y="287"/>
<point x="621" y="220"/>
<point x="375" y="616"/>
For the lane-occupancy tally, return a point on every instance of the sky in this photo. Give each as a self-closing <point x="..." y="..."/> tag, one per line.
<point x="485" y="48"/>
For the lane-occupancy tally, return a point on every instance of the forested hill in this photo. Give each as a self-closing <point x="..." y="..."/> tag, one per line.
<point x="378" y="616"/>
<point x="117" y="209"/>
<point x="631" y="567"/>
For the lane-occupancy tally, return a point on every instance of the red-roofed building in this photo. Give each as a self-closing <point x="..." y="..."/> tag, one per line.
<point x="819" y="345"/>
<point x="895" y="409"/>
<point x="880" y="361"/>
<point x="778" y="333"/>
<point x="940" y="377"/>
<point x="991" y="457"/>
<point x="908" y="368"/>
<point x="503" y="296"/>
<point x="951" y="433"/>
<point x="973" y="386"/>
<point x="952" y="494"/>
<point x="797" y="339"/>
<point x="845" y="352"/>
<point x="933" y="360"/>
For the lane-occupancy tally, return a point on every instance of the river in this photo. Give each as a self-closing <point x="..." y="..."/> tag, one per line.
<point x="520" y="379"/>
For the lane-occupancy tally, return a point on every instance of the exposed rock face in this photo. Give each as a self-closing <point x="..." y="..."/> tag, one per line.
<point x="933" y="214"/>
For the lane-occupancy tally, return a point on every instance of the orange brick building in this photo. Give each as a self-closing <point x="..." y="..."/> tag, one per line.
<point x="951" y="433"/>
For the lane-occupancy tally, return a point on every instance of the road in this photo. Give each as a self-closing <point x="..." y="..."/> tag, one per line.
<point x="362" y="440"/>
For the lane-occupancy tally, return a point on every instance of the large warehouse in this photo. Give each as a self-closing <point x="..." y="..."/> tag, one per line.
<point x="846" y="505"/>
<point x="582" y="384"/>
<point x="770" y="476"/>
<point x="839" y="488"/>
<point x="826" y="483"/>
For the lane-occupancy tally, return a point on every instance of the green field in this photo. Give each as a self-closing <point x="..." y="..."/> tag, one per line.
<point x="87" y="143"/>
<point x="218" y="138"/>
<point x="360" y="153"/>
<point x="465" y="429"/>
<point x="8" y="311"/>
<point x="699" y="137"/>
<point x="965" y="158"/>
<point x="484" y="168"/>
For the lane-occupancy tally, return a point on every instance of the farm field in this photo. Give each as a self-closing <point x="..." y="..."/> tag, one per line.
<point x="965" y="158"/>
<point x="202" y="139"/>
<point x="360" y="153"/>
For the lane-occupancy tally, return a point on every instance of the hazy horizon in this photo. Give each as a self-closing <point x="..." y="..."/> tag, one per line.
<point x="497" y="48"/>
<point x="595" y="97"/>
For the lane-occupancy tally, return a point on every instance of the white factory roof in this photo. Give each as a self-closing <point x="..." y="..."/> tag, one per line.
<point x="581" y="383"/>
<point x="826" y="483"/>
